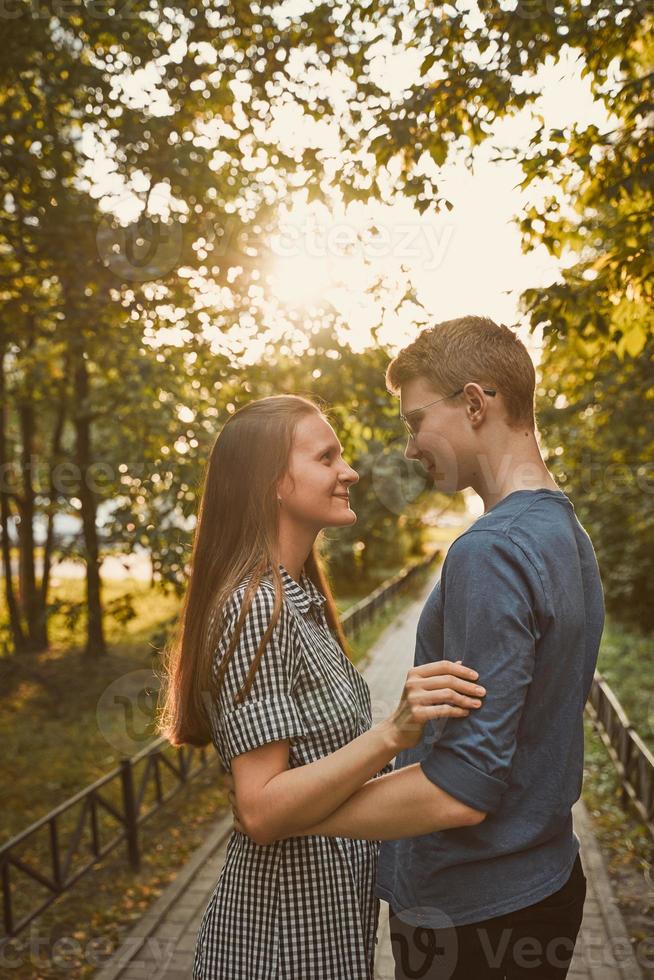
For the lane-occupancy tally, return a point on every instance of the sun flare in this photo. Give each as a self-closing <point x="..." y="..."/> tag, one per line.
<point x="301" y="280"/>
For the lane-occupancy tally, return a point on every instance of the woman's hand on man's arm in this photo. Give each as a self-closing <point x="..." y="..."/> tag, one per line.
<point x="272" y="802"/>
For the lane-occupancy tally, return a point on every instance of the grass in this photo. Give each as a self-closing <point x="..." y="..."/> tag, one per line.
<point x="60" y="726"/>
<point x="620" y="830"/>
<point x="627" y="662"/>
<point x="151" y="606"/>
<point x="57" y="730"/>
<point x="57" y="739"/>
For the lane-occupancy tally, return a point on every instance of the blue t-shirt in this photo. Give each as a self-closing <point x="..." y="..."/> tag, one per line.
<point x="520" y="600"/>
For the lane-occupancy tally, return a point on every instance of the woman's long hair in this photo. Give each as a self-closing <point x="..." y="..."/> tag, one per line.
<point x="236" y="538"/>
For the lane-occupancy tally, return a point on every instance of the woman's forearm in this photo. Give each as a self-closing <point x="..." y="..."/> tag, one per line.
<point x="297" y="798"/>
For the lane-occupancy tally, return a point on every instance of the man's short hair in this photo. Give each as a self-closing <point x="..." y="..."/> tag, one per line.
<point x="471" y="348"/>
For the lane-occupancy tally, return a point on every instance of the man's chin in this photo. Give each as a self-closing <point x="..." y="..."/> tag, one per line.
<point x="440" y="481"/>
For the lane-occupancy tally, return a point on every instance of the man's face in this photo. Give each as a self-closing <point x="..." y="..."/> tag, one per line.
<point x="440" y="440"/>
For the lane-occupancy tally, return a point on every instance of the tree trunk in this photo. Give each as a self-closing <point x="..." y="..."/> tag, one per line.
<point x="15" y="625"/>
<point x="29" y="597"/>
<point x="95" y="642"/>
<point x="52" y="508"/>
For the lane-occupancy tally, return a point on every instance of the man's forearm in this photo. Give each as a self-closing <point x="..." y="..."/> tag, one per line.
<point x="399" y="804"/>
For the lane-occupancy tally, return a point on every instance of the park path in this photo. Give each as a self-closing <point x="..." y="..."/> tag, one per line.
<point x="161" y="946"/>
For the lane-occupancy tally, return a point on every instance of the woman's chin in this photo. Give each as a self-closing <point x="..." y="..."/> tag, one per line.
<point x="348" y="518"/>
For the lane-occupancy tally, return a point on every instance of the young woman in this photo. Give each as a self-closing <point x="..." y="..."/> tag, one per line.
<point x="259" y="668"/>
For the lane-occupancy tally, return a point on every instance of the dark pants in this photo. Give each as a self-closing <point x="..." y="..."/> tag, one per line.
<point x="534" y="943"/>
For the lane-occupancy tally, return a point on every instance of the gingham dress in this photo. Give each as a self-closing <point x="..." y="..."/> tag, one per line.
<point x="302" y="908"/>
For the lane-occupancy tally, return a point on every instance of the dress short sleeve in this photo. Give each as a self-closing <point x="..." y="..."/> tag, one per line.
<point x="269" y="713"/>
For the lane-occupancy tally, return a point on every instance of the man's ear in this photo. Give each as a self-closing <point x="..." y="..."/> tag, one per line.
<point x="476" y="403"/>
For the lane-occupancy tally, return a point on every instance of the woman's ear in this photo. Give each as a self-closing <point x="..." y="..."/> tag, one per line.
<point x="279" y="490"/>
<point x="284" y="487"/>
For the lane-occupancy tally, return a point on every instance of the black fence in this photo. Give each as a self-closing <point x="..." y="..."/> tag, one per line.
<point x="364" y="612"/>
<point x="49" y="857"/>
<point x="632" y="759"/>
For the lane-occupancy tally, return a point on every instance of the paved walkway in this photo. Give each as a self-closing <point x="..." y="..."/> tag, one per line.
<point x="161" y="946"/>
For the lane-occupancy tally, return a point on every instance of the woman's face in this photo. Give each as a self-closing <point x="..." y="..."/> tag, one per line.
<point x="314" y="492"/>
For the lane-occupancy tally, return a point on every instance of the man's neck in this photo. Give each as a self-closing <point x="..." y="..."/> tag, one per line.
<point x="517" y="464"/>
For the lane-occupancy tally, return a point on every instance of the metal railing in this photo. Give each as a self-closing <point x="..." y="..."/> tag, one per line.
<point x="87" y="823"/>
<point x="632" y="759"/>
<point x="363" y="612"/>
<point x="56" y="851"/>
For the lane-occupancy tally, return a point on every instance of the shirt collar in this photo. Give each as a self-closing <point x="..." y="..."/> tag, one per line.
<point x="303" y="594"/>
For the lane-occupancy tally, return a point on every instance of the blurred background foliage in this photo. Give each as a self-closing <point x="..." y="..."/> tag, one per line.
<point x="143" y="175"/>
<point x="600" y="443"/>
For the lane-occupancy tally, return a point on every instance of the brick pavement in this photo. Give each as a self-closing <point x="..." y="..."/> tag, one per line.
<point x="161" y="946"/>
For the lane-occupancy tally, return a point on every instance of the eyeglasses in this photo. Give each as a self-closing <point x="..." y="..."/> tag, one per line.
<point x="487" y="391"/>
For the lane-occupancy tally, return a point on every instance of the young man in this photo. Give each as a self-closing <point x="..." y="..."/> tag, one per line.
<point x="520" y="593"/>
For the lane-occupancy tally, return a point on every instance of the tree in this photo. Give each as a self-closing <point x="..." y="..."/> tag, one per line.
<point x="596" y="419"/>
<point x="479" y="65"/>
<point x="198" y="154"/>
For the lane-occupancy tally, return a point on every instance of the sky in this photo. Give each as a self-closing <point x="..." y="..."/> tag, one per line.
<point x="467" y="260"/>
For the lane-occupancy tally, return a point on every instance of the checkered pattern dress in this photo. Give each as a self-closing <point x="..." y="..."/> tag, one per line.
<point x="302" y="908"/>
